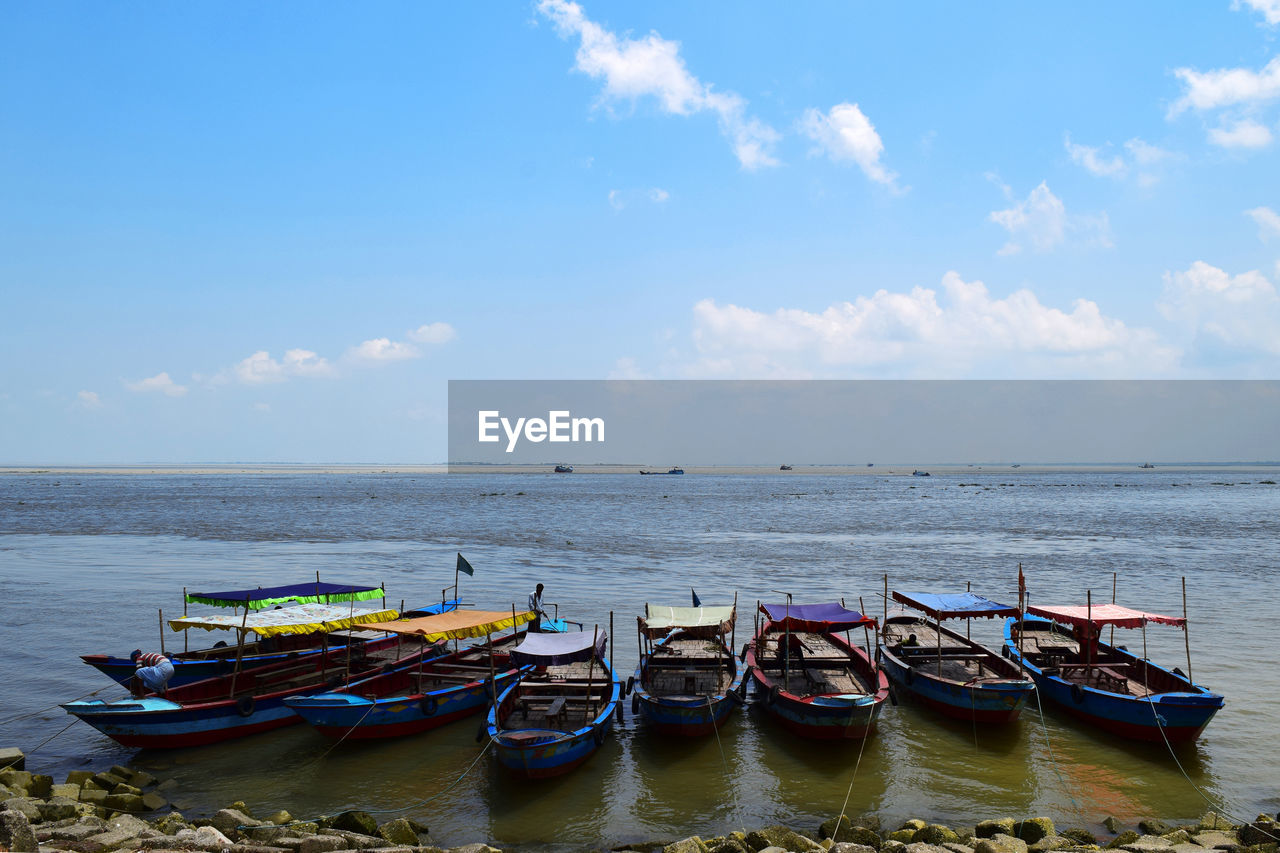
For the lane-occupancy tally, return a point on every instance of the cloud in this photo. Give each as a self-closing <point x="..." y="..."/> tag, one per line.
<point x="433" y="333"/>
<point x="918" y="333"/>
<point x="383" y="350"/>
<point x="1093" y="161"/>
<point x="1139" y="158"/>
<point x="1268" y="221"/>
<point x="261" y="368"/>
<point x="1245" y="133"/>
<point x="1269" y="9"/>
<point x="89" y="399"/>
<point x="651" y="66"/>
<point x="615" y="200"/>
<point x="1041" y="219"/>
<point x="160" y="382"/>
<point x="1225" y="87"/>
<point x="846" y="134"/>
<point x="1241" y="310"/>
<point x="657" y="195"/>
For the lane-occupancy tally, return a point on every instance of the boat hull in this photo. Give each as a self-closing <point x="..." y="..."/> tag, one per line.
<point x="539" y="753"/>
<point x="1178" y="716"/>
<point x="688" y="716"/>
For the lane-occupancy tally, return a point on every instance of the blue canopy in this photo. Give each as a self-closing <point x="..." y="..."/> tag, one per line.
<point x="954" y="605"/>
<point x="311" y="592"/>
<point x="557" y="649"/>
<point x="815" y="618"/>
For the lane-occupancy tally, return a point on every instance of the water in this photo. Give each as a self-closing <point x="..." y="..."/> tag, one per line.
<point x="86" y="561"/>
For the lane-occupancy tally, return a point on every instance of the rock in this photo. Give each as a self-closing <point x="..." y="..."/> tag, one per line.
<point x="28" y="807"/>
<point x="142" y="779"/>
<point x="153" y="802"/>
<point x="239" y="806"/>
<point x="913" y="824"/>
<point x="69" y="791"/>
<point x="1262" y="831"/>
<point x="126" y="788"/>
<point x="692" y="844"/>
<point x="18" y="780"/>
<point x="1033" y="829"/>
<point x="935" y="834"/>
<point x="75" y="832"/>
<point x="781" y="836"/>
<point x="399" y="831"/>
<point x="167" y="785"/>
<point x="988" y="828"/>
<point x="123" y="802"/>
<point x="11" y="758"/>
<point x="279" y="818"/>
<point x="903" y="836"/>
<point x="79" y="777"/>
<point x="41" y="786"/>
<point x="15" y="832"/>
<point x="270" y="834"/>
<point x="955" y="847"/>
<point x="1146" y="844"/>
<point x="204" y="835"/>
<point x="108" y="781"/>
<point x="356" y="821"/>
<point x="1216" y="839"/>
<point x="257" y="848"/>
<point x="893" y="847"/>
<point x="849" y="847"/>
<point x="836" y="827"/>
<point x="1000" y="843"/>
<point x="231" y="821"/>
<point x="1177" y="836"/>
<point x="93" y="796"/>
<point x="1151" y="826"/>
<point x="473" y="848"/>
<point x="58" y="808"/>
<point x="1051" y="842"/>
<point x="1126" y="837"/>
<point x="354" y="840"/>
<point x="772" y="850"/>
<point x="1111" y="824"/>
<point x="921" y="847"/>
<point x="729" y="844"/>
<point x="171" y="824"/>
<point x="1080" y="836"/>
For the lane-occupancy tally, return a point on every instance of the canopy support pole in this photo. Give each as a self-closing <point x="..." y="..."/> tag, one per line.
<point x="591" y="674"/>
<point x="786" y="649"/>
<point x="968" y="623"/>
<point x="184" y="616"/>
<point x="161" y="614"/>
<point x="1112" y="641"/>
<point x="937" y="627"/>
<point x="866" y="632"/>
<point x="350" y="639"/>
<point x="733" y="635"/>
<point x="240" y="646"/>
<point x="1088" y="631"/>
<point x="422" y="653"/>
<point x="493" y="673"/>
<point x="1186" y="628"/>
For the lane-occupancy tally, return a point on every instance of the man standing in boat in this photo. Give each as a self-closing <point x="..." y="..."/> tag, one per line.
<point x="153" y="673"/>
<point x="535" y="604"/>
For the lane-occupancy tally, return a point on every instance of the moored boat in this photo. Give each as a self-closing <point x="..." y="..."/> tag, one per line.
<point x="408" y="700"/>
<point x="947" y="671"/>
<point x="1105" y="685"/>
<point x="564" y="469"/>
<point x="813" y="681"/>
<point x="688" y="681"/>
<point x="243" y="703"/>
<point x="555" y="718"/>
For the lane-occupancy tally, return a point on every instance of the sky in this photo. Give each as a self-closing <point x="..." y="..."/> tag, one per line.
<point x="273" y="232"/>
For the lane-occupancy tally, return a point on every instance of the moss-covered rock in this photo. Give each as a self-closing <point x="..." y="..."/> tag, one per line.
<point x="1080" y="836"/>
<point x="355" y="821"/>
<point x="1264" y="830"/>
<point x="1111" y="824"/>
<point x="93" y="796"/>
<point x="41" y="786"/>
<point x="903" y="836"/>
<point x="781" y="836"/>
<point x="935" y="834"/>
<point x="26" y="806"/>
<point x="17" y="780"/>
<point x="989" y="828"/>
<point x="1050" y="843"/>
<point x="141" y="779"/>
<point x="727" y="845"/>
<point x="16" y="834"/>
<point x="913" y="824"/>
<point x="835" y="827"/>
<point x="1126" y="837"/>
<point x="1000" y="843"/>
<point x="890" y="846"/>
<point x="400" y="832"/>
<point x="279" y="818"/>
<point x="1033" y="829"/>
<point x="1152" y="826"/>
<point x="693" y="844"/>
<point x="850" y="847"/>
<point x="58" y="808"/>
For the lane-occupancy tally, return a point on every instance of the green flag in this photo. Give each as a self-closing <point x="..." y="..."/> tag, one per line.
<point x="464" y="566"/>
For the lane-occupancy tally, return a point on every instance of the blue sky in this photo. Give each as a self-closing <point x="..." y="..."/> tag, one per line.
<point x="273" y="232"/>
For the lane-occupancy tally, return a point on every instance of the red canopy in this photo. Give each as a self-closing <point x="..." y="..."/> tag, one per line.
<point x="1105" y="614"/>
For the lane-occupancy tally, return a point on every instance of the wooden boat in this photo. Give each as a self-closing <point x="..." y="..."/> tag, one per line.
<point x="244" y="703"/>
<point x="784" y="467"/>
<point x="676" y="470"/>
<point x="564" y="469"/>
<point x="949" y="672"/>
<point x="813" y="681"/>
<point x="554" y="718"/>
<point x="408" y="700"/>
<point x="689" y="681"/>
<point x="1104" y="685"/>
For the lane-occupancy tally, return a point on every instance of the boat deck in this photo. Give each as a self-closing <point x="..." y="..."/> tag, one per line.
<point x="564" y="698"/>
<point x="1052" y="651"/>
<point x="689" y="669"/>
<point x="823" y="668"/>
<point x="956" y="661"/>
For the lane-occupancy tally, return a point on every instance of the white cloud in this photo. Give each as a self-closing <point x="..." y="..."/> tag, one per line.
<point x="1269" y="9"/>
<point x="433" y="333"/>
<point x="1268" y="221"/>
<point x="1225" y="87"/>
<point x="1245" y="133"/>
<point x="1146" y="154"/>
<point x="657" y="195"/>
<point x="89" y="399"/>
<point x="1041" y="219"/>
<point x="1093" y="161"/>
<point x="916" y="333"/>
<point x="615" y="200"/>
<point x="652" y="66"/>
<point x="845" y="134"/>
<point x="1241" y="310"/>
<point x="261" y="368"/>
<point x="383" y="350"/>
<point x="160" y="382"/>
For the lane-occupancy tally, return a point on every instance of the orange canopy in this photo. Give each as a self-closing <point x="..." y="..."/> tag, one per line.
<point x="458" y="624"/>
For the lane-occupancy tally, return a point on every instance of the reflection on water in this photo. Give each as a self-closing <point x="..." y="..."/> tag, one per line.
<point x="84" y="565"/>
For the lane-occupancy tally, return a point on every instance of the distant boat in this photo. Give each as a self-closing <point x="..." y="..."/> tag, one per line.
<point x="564" y="469"/>
<point x="871" y="464"/>
<point x="1016" y="465"/>
<point x="784" y="467"/>
<point x="672" y="471"/>
<point x="1146" y="465"/>
<point x="919" y="473"/>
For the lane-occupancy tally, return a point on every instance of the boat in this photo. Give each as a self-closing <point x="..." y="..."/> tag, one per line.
<point x="688" y="681"/>
<point x="676" y="470"/>
<point x="1104" y="685"/>
<point x="784" y="467"/>
<point x="919" y="473"/>
<point x="416" y="699"/>
<point x="219" y="659"/>
<point x="1146" y="465"/>
<point x="564" y="469"/>
<point x="247" y="702"/>
<point x="947" y="671"/>
<point x="554" y="718"/>
<point x="814" y="682"/>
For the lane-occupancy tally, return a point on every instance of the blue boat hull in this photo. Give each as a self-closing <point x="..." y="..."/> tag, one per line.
<point x="1177" y="715"/>
<point x="686" y="715"/>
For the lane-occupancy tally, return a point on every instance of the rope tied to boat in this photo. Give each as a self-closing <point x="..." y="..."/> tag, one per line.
<point x="856" y="764"/>
<point x="723" y="759"/>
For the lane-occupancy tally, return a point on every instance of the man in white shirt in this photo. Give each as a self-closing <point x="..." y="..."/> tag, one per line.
<point x="535" y="604"/>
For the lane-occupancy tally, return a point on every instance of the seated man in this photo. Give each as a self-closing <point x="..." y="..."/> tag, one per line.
<point x="909" y="642"/>
<point x="153" y="673"/>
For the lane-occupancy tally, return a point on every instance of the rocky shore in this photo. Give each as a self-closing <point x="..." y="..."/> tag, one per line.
<point x="123" y="809"/>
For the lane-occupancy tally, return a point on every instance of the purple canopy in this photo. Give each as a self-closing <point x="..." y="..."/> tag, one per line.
<point x="815" y="618"/>
<point x="556" y="649"/>
<point x="311" y="592"/>
<point x="964" y="605"/>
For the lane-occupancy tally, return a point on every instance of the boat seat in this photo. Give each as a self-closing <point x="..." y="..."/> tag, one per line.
<point x="555" y="711"/>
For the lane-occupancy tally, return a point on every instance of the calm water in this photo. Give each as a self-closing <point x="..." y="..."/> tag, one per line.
<point x="86" y="561"/>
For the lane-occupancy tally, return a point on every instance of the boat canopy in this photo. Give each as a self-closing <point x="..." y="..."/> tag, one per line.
<point x="556" y="649"/>
<point x="303" y="593"/>
<point x="299" y="619"/>
<point x="954" y="605"/>
<point x="458" y="624"/>
<point x="703" y="622"/>
<point x="1105" y="614"/>
<point x="816" y="618"/>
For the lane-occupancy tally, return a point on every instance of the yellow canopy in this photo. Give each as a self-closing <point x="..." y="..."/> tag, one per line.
<point x="458" y="624"/>
<point x="300" y="619"/>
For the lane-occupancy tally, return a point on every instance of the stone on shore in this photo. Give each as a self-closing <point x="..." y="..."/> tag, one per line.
<point x="891" y="846"/>
<point x="58" y="808"/>
<point x="1033" y="829"/>
<point x="921" y="847"/>
<point x="1126" y="837"/>
<point x="957" y="847"/>
<point x="79" y="777"/>
<point x="280" y="818"/>
<point x="1264" y="830"/>
<point x="123" y="802"/>
<point x="693" y="844"/>
<point x="12" y="758"/>
<point x="1147" y="844"/>
<point x="850" y="847"/>
<point x="989" y="828"/>
<point x="473" y="848"/>
<point x="843" y="830"/>
<point x="17" y="780"/>
<point x="935" y="834"/>
<point x="903" y="836"/>
<point x="1051" y="842"/>
<point x="230" y="821"/>
<point x="1216" y="839"/>
<point x="727" y="844"/>
<point x="781" y="836"/>
<point x="1111" y="824"/>
<point x="1080" y="836"/>
<point x="353" y="821"/>
<point x="835" y="827"/>
<point x="25" y="806"/>
<point x="1000" y="843"/>
<point x="399" y="831"/>
<point x="355" y="840"/>
<point x="913" y="824"/>
<point x="41" y="786"/>
<point x="15" y="832"/>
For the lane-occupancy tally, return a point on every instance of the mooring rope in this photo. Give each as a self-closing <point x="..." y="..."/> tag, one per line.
<point x="1053" y="759"/>
<point x="723" y="758"/>
<point x="42" y="743"/>
<point x="853" y="778"/>
<point x="23" y="716"/>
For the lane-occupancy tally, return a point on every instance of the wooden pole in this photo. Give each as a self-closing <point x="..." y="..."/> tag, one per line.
<point x="937" y="627"/>
<point x="866" y="632"/>
<point x="968" y="633"/>
<point x="350" y="637"/>
<point x="591" y="672"/>
<point x="733" y="635"/>
<point x="1186" y="628"/>
<point x="422" y="653"/>
<point x="240" y="646"/>
<point x="493" y="674"/>
<point x="886" y="602"/>
<point x="1088" y="630"/>
<point x="184" y="616"/>
<point x="786" y="650"/>
<point x="161" y="613"/>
